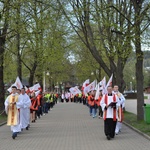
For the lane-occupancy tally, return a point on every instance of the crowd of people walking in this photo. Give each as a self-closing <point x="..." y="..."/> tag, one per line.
<point x="24" y="107"/>
<point x="108" y="106"/>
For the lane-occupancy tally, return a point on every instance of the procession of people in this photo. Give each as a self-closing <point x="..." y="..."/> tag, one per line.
<point x="103" y="102"/>
<point x="24" y="106"/>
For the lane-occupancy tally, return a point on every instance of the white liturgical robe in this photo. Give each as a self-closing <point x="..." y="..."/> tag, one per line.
<point x="25" y="110"/>
<point x="12" y="112"/>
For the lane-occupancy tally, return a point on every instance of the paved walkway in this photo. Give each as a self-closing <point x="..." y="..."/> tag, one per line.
<point x="69" y="127"/>
<point x="131" y="105"/>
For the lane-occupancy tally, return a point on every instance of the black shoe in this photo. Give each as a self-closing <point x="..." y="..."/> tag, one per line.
<point x="14" y="135"/>
<point x="27" y="128"/>
<point x="108" y="137"/>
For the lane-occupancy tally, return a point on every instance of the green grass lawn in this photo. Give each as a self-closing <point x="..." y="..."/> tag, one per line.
<point x="131" y="119"/>
<point x="145" y="97"/>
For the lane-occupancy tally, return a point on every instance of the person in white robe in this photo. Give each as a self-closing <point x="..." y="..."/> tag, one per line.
<point x="122" y="105"/>
<point x="12" y="105"/>
<point x="24" y="110"/>
<point x="62" y="97"/>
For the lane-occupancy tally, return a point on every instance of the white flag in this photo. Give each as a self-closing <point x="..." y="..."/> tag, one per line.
<point x="90" y="87"/>
<point x="36" y="87"/>
<point x="9" y="89"/>
<point x="97" y="92"/>
<point x="103" y="85"/>
<point x="37" y="93"/>
<point x="26" y="88"/>
<point x="109" y="83"/>
<point x="17" y="83"/>
<point x="31" y="88"/>
<point x="86" y="83"/>
<point x="74" y="90"/>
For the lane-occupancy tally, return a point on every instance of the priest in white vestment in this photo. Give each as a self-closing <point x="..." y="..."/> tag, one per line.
<point x="24" y="110"/>
<point x="122" y="105"/>
<point x="12" y="105"/>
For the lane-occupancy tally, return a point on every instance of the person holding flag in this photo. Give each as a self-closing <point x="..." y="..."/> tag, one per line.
<point x="98" y="100"/>
<point x="33" y="107"/>
<point x="92" y="103"/>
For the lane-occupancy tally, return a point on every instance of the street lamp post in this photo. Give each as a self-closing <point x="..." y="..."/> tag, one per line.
<point x="92" y="74"/>
<point x="131" y="86"/>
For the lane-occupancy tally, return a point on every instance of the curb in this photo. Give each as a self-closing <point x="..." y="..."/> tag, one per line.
<point x="1" y="124"/>
<point x="138" y="131"/>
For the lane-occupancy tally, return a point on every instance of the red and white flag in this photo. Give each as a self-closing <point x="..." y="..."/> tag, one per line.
<point x="109" y="83"/>
<point x="31" y="88"/>
<point x="9" y="89"/>
<point x="103" y="85"/>
<point x="90" y="87"/>
<point x="86" y="83"/>
<point x="37" y="93"/>
<point x="74" y="90"/>
<point x="97" y="92"/>
<point x="35" y="87"/>
<point x="17" y="83"/>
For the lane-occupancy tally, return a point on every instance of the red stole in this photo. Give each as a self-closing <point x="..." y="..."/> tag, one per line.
<point x="114" y="110"/>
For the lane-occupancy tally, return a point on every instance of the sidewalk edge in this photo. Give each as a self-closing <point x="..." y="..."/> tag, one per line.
<point x="3" y="123"/>
<point x="138" y="131"/>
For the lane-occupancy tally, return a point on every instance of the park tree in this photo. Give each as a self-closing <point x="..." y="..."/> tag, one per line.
<point x="104" y="31"/>
<point x="84" y="63"/>
<point x="37" y="27"/>
<point x="141" y="17"/>
<point x="118" y="25"/>
<point x="4" y="18"/>
<point x="35" y="39"/>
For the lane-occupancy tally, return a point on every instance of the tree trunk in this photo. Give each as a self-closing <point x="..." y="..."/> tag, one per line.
<point x="2" y="91"/>
<point x="19" y="64"/>
<point x="3" y="34"/>
<point x="139" y="62"/>
<point x="119" y="76"/>
<point x="32" y="72"/>
<point x="140" y="95"/>
<point x="31" y="78"/>
<point x="139" y="75"/>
